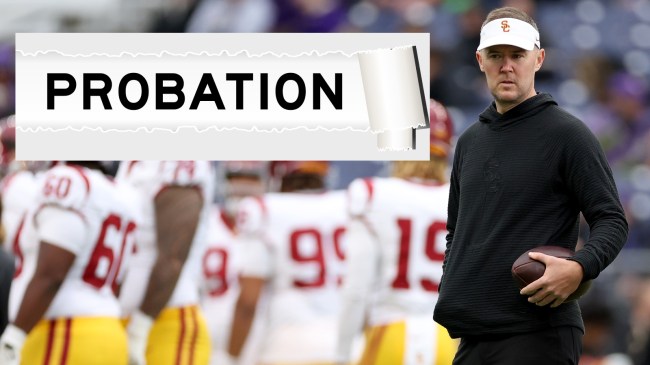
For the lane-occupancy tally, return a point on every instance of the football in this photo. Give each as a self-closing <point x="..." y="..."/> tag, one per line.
<point x="526" y="270"/>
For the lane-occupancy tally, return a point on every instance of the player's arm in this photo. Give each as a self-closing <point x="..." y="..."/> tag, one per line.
<point x="177" y="210"/>
<point x="245" y="309"/>
<point x="177" y="213"/>
<point x="62" y="234"/>
<point x="255" y="271"/>
<point x="51" y="269"/>
<point x="362" y="265"/>
<point x="256" y="268"/>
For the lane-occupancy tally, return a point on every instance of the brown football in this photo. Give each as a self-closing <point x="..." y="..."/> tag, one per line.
<point x="526" y="270"/>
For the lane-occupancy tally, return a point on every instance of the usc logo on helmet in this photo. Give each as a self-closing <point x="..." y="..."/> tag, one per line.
<point x="505" y="26"/>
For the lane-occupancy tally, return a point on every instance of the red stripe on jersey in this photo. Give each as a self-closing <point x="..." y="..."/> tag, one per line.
<point x="195" y="333"/>
<point x="187" y="166"/>
<point x="130" y="167"/>
<point x="18" y="252"/>
<point x="260" y="201"/>
<point x="66" y="341"/>
<point x="370" y="187"/>
<point x="50" y="341"/>
<point x="181" y="338"/>
<point x="230" y="223"/>
<point x="81" y="172"/>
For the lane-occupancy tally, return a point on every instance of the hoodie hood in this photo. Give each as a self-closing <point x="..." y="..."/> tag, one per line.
<point x="528" y="108"/>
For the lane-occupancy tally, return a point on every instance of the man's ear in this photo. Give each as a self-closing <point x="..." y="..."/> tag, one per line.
<point x="539" y="60"/>
<point x="479" y="58"/>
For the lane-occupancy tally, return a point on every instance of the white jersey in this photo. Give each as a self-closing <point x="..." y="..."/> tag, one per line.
<point x="220" y="288"/>
<point x="220" y="266"/>
<point x="83" y="212"/>
<point x="408" y="221"/>
<point x="293" y="241"/>
<point x="18" y="191"/>
<point x="148" y="178"/>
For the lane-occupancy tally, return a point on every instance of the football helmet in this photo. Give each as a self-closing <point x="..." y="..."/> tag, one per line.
<point x="441" y="129"/>
<point x="8" y="164"/>
<point x="297" y="175"/>
<point x="241" y="179"/>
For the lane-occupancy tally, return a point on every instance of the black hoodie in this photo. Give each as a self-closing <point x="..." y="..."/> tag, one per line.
<point x="519" y="181"/>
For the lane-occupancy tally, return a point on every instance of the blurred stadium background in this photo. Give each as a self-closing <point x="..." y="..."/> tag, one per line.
<point x="597" y="66"/>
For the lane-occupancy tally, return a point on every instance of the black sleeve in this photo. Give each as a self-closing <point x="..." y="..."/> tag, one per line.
<point x="6" y="275"/>
<point x="589" y="177"/>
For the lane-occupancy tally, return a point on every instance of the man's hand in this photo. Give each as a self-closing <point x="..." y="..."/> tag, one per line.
<point x="138" y="333"/>
<point x="561" y="278"/>
<point x="11" y="344"/>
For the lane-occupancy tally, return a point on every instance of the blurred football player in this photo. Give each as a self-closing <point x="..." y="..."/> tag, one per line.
<point x="241" y="179"/>
<point x="8" y="163"/>
<point x="18" y="190"/>
<point x="71" y="248"/>
<point x="395" y="244"/>
<point x="219" y="263"/>
<point x="161" y="290"/>
<point x="290" y="249"/>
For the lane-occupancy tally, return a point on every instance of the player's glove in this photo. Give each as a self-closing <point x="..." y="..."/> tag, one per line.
<point x="138" y="333"/>
<point x="11" y="343"/>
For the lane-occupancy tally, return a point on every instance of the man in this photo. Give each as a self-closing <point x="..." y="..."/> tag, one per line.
<point x="521" y="176"/>
<point x="18" y="190"/>
<point x="290" y="245"/>
<point x="161" y="291"/>
<point x="19" y="186"/>
<point x="395" y="251"/>
<point x="72" y="249"/>
<point x="219" y="263"/>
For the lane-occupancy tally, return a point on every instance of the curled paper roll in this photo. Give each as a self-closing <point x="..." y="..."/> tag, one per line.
<point x="96" y="94"/>
<point x="394" y="95"/>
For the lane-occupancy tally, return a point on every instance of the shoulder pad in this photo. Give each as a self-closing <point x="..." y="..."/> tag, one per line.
<point x="184" y="173"/>
<point x="360" y="194"/>
<point x="252" y="215"/>
<point x="65" y="186"/>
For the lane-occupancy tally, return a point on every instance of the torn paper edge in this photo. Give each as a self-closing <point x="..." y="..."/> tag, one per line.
<point x="178" y="129"/>
<point x="208" y="54"/>
<point x="389" y="138"/>
<point x="399" y="89"/>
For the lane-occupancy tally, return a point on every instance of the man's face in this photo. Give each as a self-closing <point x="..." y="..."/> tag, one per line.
<point x="510" y="73"/>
